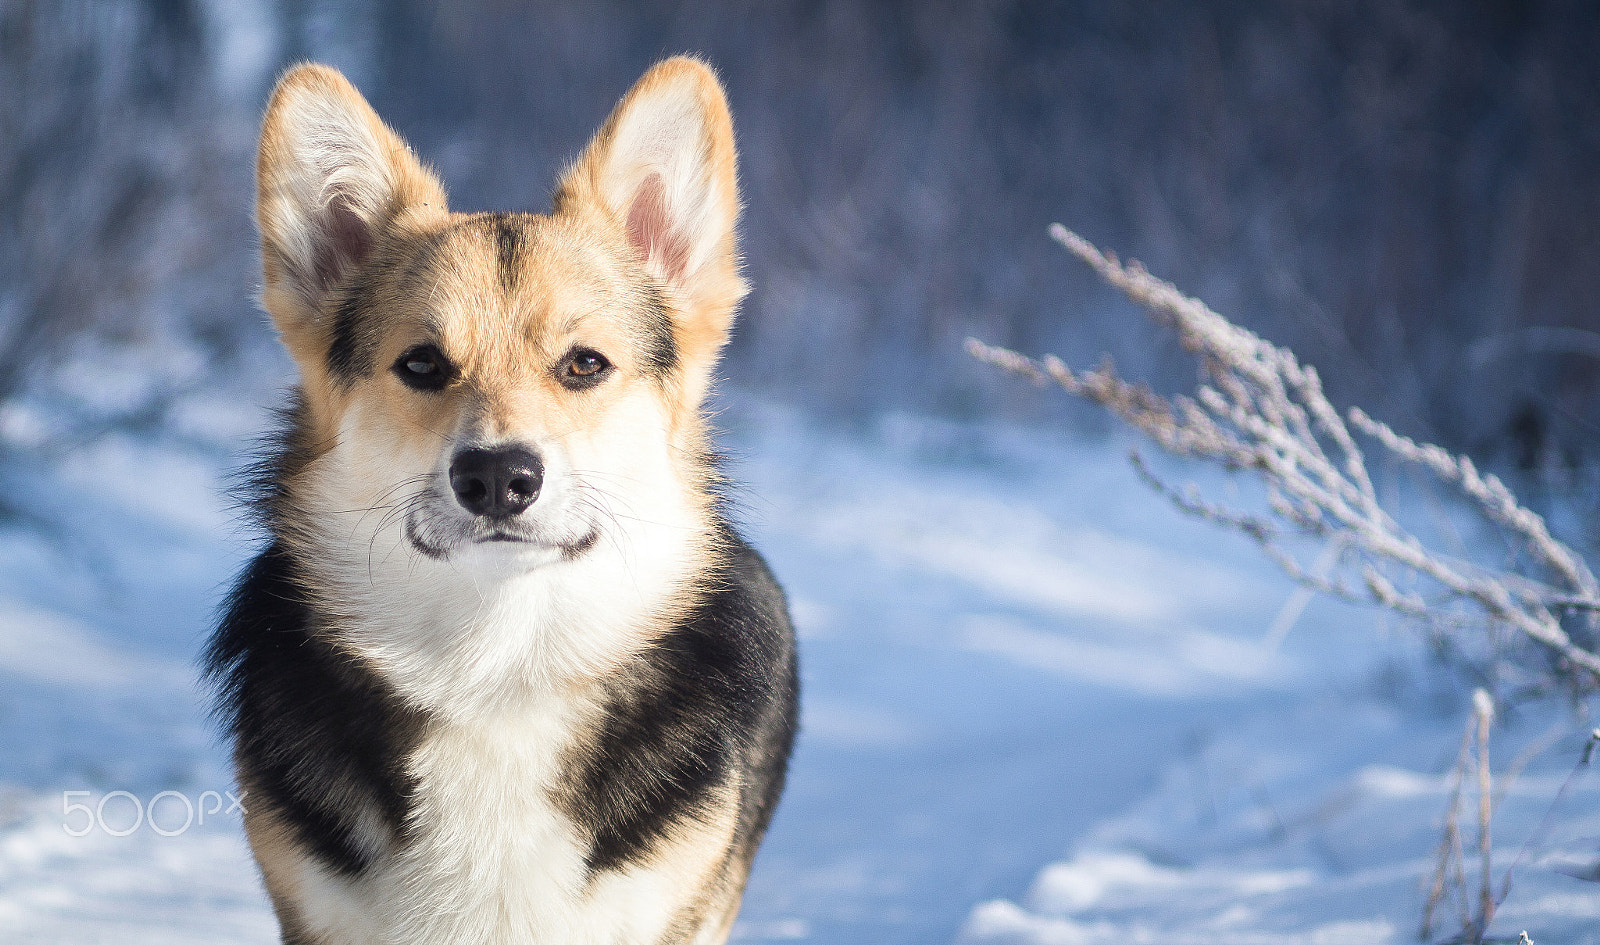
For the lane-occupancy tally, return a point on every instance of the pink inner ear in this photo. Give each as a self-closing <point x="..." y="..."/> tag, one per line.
<point x="346" y="241"/>
<point x="651" y="232"/>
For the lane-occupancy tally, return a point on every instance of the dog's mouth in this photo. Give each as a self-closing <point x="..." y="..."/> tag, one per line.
<point x="424" y="547"/>
<point x="439" y="547"/>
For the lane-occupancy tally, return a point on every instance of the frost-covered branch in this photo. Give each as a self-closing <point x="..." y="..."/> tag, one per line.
<point x="1265" y="412"/>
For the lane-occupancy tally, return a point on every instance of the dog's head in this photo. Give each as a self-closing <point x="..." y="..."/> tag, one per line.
<point x="499" y="392"/>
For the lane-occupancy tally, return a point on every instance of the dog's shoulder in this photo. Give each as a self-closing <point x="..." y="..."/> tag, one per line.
<point x="322" y="741"/>
<point x="319" y="739"/>
<point x="710" y="702"/>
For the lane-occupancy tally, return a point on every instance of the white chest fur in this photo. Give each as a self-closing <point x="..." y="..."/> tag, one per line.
<point x="505" y="653"/>
<point x="492" y="857"/>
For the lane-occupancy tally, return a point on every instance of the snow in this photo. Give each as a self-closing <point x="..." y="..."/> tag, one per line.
<point x="1040" y="707"/>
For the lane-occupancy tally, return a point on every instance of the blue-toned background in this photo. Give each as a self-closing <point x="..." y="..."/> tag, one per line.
<point x="1041" y="707"/>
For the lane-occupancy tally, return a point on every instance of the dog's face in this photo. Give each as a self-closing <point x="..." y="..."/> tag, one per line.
<point x="499" y="392"/>
<point x="505" y="388"/>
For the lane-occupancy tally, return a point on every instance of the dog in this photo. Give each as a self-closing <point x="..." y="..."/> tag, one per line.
<point x="504" y="672"/>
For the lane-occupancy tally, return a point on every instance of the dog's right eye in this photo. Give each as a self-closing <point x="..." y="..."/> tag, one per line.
<point x="424" y="368"/>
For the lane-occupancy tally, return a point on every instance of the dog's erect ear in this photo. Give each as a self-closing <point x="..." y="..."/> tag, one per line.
<point x="662" y="167"/>
<point x="330" y="177"/>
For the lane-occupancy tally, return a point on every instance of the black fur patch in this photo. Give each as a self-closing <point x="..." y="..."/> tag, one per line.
<point x="660" y="347"/>
<point x="350" y="349"/>
<point x="318" y="739"/>
<point x="358" y="311"/>
<point x="293" y="934"/>
<point x="715" y="697"/>
<point x="262" y="488"/>
<point x="507" y="237"/>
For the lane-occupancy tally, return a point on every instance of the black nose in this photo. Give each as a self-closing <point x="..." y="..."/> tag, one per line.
<point x="498" y="483"/>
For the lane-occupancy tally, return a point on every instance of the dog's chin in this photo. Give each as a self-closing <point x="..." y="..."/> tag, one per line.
<point x="501" y="546"/>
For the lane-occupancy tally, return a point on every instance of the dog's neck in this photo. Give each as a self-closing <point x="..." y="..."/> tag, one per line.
<point x="483" y="633"/>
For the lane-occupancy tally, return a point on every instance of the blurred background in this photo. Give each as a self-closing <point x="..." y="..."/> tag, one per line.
<point x="1404" y="192"/>
<point x="1013" y="652"/>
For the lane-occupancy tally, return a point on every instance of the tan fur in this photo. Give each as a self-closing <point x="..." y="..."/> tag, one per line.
<point x="605" y="182"/>
<point x="317" y="121"/>
<point x="276" y="854"/>
<point x="648" y="212"/>
<point x="287" y="874"/>
<point x="392" y="190"/>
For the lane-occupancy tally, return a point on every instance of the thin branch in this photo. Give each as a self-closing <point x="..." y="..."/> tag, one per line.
<point x="1264" y="412"/>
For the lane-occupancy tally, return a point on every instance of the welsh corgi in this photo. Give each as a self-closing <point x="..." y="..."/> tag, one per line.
<point x="505" y="672"/>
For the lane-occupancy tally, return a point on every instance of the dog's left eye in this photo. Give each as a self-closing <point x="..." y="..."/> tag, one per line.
<point x="424" y="368"/>
<point x="584" y="367"/>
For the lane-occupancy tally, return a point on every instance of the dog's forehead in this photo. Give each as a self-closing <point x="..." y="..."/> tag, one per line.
<point x="501" y="283"/>
<point x="523" y="272"/>
<point x="547" y="281"/>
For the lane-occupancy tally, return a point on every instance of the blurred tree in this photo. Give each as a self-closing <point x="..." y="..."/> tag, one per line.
<point x="1404" y="191"/>
<point x="104" y="170"/>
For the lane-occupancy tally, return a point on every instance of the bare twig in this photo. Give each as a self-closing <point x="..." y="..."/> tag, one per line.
<point x="1447" y="866"/>
<point x="1263" y="411"/>
<point x="1483" y="711"/>
<point x="1536" y="838"/>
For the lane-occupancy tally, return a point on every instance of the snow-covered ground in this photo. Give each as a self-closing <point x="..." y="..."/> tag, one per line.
<point x="1038" y="709"/>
